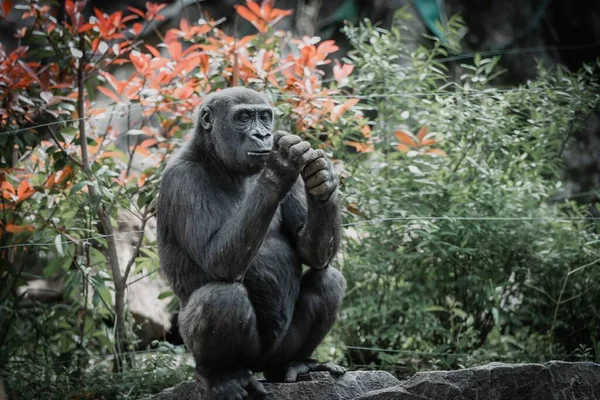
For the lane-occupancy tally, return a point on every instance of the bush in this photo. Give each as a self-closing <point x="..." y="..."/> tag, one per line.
<point x="457" y="251"/>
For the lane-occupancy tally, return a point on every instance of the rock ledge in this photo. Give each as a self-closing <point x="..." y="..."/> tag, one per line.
<point x="553" y="380"/>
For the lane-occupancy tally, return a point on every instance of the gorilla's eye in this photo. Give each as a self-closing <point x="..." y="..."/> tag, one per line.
<point x="265" y="116"/>
<point x="244" y="117"/>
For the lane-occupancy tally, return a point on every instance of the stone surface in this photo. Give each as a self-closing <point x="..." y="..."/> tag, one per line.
<point x="497" y="381"/>
<point x="317" y="386"/>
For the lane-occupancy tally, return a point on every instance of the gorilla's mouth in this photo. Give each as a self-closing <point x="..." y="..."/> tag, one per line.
<point x="259" y="153"/>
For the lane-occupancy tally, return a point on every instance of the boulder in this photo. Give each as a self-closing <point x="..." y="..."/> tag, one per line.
<point x="315" y="386"/>
<point x="497" y="381"/>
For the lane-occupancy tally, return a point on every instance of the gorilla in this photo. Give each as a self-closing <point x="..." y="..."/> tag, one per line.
<point x="240" y="210"/>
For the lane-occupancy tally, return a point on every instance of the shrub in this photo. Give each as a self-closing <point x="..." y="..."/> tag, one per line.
<point x="458" y="251"/>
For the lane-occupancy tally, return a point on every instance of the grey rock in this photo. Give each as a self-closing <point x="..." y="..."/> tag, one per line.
<point x="316" y="386"/>
<point x="497" y="381"/>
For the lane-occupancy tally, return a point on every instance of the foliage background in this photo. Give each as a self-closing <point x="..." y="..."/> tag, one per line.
<point x="461" y="246"/>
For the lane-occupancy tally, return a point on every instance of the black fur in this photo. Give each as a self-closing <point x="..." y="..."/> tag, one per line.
<point x="240" y="210"/>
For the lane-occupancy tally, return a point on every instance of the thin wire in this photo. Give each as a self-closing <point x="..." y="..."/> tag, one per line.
<point x="68" y="241"/>
<point x="422" y="353"/>
<point x="523" y="50"/>
<point x="369" y="221"/>
<point x="456" y="218"/>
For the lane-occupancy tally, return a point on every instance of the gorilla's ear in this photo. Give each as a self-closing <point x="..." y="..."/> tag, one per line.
<point x="206" y="118"/>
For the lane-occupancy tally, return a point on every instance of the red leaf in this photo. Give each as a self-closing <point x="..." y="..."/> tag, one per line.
<point x="422" y="132"/>
<point x="7" y="5"/>
<point x="137" y="11"/>
<point x="339" y="110"/>
<point x="361" y="147"/>
<point x="246" y="14"/>
<point x="406" y="138"/>
<point x="12" y="228"/>
<point x="436" y="152"/>
<point x="24" y="191"/>
<point x="110" y="94"/>
<point x="403" y="148"/>
<point x="342" y="71"/>
<point x="326" y="47"/>
<point x="153" y="50"/>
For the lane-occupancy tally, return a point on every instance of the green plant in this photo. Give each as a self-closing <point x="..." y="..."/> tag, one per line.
<point x="458" y="256"/>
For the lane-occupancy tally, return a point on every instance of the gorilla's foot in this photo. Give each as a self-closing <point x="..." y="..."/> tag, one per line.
<point x="236" y="385"/>
<point x="296" y="368"/>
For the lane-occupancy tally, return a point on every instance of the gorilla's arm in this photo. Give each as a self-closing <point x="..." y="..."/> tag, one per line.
<point x="221" y="241"/>
<point x="316" y="224"/>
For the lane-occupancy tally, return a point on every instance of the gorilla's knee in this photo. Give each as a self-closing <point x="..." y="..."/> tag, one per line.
<point x="218" y="324"/>
<point x="323" y="290"/>
<point x="327" y="282"/>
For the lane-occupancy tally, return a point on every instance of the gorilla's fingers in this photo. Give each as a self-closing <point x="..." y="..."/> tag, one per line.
<point x="295" y="370"/>
<point x="255" y="389"/>
<point x="288" y="141"/>
<point x="297" y="150"/>
<point x="278" y="135"/>
<point x="322" y="190"/>
<point x="313" y="167"/>
<point x="317" y="179"/>
<point x="333" y="369"/>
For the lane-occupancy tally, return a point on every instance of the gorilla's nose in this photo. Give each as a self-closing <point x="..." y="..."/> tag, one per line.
<point x="261" y="135"/>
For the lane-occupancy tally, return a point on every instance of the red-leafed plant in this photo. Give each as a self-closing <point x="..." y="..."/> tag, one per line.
<point x="65" y="178"/>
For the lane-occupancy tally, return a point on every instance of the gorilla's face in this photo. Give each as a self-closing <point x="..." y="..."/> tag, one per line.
<point x="239" y="123"/>
<point x="254" y="125"/>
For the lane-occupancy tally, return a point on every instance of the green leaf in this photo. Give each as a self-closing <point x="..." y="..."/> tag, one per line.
<point x="165" y="294"/>
<point x="78" y="186"/>
<point x="59" y="244"/>
<point x="104" y="293"/>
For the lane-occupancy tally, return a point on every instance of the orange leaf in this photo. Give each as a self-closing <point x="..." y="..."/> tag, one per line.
<point x="65" y="174"/>
<point x="366" y="131"/>
<point x="12" y="228"/>
<point x="7" y="5"/>
<point x="175" y="50"/>
<point x="406" y="138"/>
<point x="136" y="11"/>
<point x="422" y="132"/>
<point x="7" y="190"/>
<point x="339" y="110"/>
<point x="24" y="191"/>
<point x="50" y="181"/>
<point x="137" y="28"/>
<point x="403" y="148"/>
<point x="109" y="94"/>
<point x="436" y="152"/>
<point x="326" y="47"/>
<point x="428" y="142"/>
<point x="141" y="180"/>
<point x="254" y="7"/>
<point x="245" y="13"/>
<point x="340" y="72"/>
<point x="108" y="154"/>
<point x="153" y="50"/>
<point x="361" y="147"/>
<point x="353" y="208"/>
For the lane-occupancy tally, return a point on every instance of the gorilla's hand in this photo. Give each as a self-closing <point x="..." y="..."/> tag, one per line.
<point x="288" y="156"/>
<point x="319" y="176"/>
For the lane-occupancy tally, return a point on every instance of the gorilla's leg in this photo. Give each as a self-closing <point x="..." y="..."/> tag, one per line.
<point x="321" y="294"/>
<point x="218" y="326"/>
